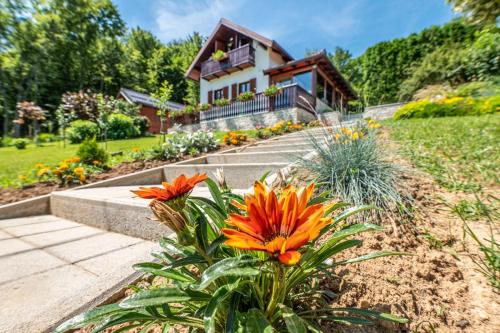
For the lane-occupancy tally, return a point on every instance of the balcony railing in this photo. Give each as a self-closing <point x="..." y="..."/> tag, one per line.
<point x="288" y="97"/>
<point x="236" y="59"/>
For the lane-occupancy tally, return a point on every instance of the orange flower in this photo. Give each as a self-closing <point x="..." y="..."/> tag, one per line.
<point x="279" y="226"/>
<point x="178" y="189"/>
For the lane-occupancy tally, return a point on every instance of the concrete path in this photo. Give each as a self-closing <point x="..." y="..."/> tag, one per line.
<point x="60" y="264"/>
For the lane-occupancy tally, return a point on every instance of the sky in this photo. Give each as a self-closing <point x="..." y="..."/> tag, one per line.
<point x="295" y="24"/>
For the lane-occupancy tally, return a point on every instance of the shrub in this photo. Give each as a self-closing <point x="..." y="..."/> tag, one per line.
<point x="142" y="124"/>
<point x="221" y="274"/>
<point x="121" y="127"/>
<point x="166" y="151"/>
<point x="80" y="130"/>
<point x="203" y="141"/>
<point x="20" y="143"/>
<point x="48" y="137"/>
<point x="350" y="165"/>
<point x="448" y="107"/>
<point x="245" y="96"/>
<point x="128" y="109"/>
<point x="70" y="171"/>
<point x="6" y="141"/>
<point x="477" y="89"/>
<point x="90" y="153"/>
<point x="222" y="102"/>
<point x="204" y="106"/>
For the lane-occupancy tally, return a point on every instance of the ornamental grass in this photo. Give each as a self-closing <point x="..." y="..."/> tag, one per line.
<point x="250" y="263"/>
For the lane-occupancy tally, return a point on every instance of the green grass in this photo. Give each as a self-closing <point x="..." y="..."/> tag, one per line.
<point x="15" y="163"/>
<point x="462" y="153"/>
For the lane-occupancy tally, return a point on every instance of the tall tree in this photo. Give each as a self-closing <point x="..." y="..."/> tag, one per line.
<point x="341" y="58"/>
<point x="482" y="12"/>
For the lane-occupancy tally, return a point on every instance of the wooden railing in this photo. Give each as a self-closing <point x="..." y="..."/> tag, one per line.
<point x="288" y="97"/>
<point x="241" y="56"/>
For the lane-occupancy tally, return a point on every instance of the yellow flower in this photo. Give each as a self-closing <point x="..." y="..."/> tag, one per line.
<point x="82" y="178"/>
<point x="346" y="131"/>
<point x="42" y="172"/>
<point x="57" y="172"/>
<point x="63" y="166"/>
<point x="337" y="136"/>
<point x="22" y="178"/>
<point x="136" y="150"/>
<point x="355" y="136"/>
<point x="79" y="171"/>
<point x="96" y="162"/>
<point x="234" y="141"/>
<point x="75" y="159"/>
<point x="39" y="165"/>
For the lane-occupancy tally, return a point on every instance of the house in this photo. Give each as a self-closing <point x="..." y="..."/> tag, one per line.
<point x="248" y="61"/>
<point x="147" y="107"/>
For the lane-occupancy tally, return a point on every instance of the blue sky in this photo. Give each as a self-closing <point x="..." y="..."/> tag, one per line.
<point x="296" y="24"/>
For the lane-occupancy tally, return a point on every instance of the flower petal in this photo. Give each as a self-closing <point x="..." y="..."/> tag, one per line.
<point x="289" y="258"/>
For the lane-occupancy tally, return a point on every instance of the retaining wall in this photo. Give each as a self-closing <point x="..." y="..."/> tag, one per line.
<point x="380" y="112"/>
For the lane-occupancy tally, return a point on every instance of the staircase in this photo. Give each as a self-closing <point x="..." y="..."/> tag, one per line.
<point x="81" y="252"/>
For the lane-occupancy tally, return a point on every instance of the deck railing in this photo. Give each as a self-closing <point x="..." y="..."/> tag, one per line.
<point x="288" y="97"/>
<point x="241" y="56"/>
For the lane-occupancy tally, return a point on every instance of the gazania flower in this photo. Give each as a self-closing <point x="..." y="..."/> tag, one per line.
<point x="174" y="193"/>
<point x="279" y="226"/>
<point x="78" y="171"/>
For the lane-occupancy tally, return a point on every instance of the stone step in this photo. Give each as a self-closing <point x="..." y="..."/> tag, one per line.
<point x="240" y="176"/>
<point x="254" y="157"/>
<point x="51" y="267"/>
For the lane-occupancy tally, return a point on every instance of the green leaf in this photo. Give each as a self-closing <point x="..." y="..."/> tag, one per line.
<point x="239" y="266"/>
<point x="215" y="244"/>
<point x="264" y="176"/>
<point x="168" y="273"/>
<point x="231" y="314"/>
<point x="347" y="320"/>
<point x="344" y="215"/>
<point x="216" y="195"/>
<point x="89" y="317"/>
<point x="374" y="314"/>
<point x="161" y="296"/>
<point x="294" y="323"/>
<point x="374" y="255"/>
<point x="256" y="322"/>
<point x="211" y="310"/>
<point x="129" y="317"/>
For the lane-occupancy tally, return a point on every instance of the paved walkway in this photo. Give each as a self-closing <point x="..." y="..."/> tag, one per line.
<point x="52" y="265"/>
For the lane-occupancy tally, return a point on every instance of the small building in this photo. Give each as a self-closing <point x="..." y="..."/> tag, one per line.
<point x="247" y="61"/>
<point x="147" y="107"/>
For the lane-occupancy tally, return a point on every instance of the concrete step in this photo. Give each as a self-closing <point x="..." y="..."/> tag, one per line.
<point x="240" y="176"/>
<point x="254" y="157"/>
<point x="276" y="147"/>
<point x="51" y="267"/>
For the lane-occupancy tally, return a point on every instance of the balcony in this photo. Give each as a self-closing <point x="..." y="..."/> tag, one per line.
<point x="236" y="60"/>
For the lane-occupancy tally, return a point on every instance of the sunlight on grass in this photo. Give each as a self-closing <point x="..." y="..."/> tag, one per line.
<point x="462" y="153"/>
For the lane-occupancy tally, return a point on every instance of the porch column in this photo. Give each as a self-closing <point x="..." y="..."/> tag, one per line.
<point x="342" y="103"/>
<point x="314" y="79"/>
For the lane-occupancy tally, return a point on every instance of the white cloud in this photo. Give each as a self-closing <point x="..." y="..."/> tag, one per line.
<point x="341" y="21"/>
<point x="177" y="19"/>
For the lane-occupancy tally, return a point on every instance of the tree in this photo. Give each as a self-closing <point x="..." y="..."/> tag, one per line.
<point x="163" y="96"/>
<point x="483" y="12"/>
<point x="341" y="59"/>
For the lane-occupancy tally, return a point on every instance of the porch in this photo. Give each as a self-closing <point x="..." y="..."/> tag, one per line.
<point x="290" y="96"/>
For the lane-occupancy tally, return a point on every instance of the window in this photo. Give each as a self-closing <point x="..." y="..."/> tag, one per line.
<point x="284" y="82"/>
<point x="218" y="94"/>
<point x="244" y="87"/>
<point x="304" y="80"/>
<point x="320" y="87"/>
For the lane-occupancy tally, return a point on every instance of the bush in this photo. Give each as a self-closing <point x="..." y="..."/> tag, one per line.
<point x="448" y="107"/>
<point x="240" y="268"/>
<point x="350" y="165"/>
<point x="142" y="124"/>
<point x="121" y="127"/>
<point x="80" y="130"/>
<point x="222" y="102"/>
<point x="48" y="137"/>
<point x="477" y="89"/>
<point x="245" y="97"/>
<point x="20" y="143"/>
<point x="90" y="153"/>
<point x="6" y="141"/>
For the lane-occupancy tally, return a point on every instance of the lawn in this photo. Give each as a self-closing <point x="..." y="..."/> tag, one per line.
<point x="15" y="163"/>
<point x="462" y="153"/>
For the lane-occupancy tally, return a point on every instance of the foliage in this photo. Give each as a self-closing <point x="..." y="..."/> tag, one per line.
<point x="29" y="111"/>
<point x="482" y="58"/>
<point x="84" y="104"/>
<point x="68" y="172"/>
<point x="204" y="106"/>
<point x="142" y="124"/>
<point x="449" y="107"/>
<point x="79" y="130"/>
<point x="129" y="109"/>
<point x="477" y="89"/>
<point x="20" y="143"/>
<point x="121" y="127"/>
<point x="222" y="102"/>
<point x="461" y="153"/>
<point x="207" y="284"/>
<point x="351" y="165"/>
<point x="48" y="137"/>
<point x="90" y="153"/>
<point x="284" y="126"/>
<point x="478" y="11"/>
<point x="218" y="55"/>
<point x="233" y="138"/>
<point x="181" y="143"/>
<point x="245" y="96"/>
<point x="271" y="91"/>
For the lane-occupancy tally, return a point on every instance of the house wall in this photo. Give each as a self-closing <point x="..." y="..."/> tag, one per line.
<point x="264" y="58"/>
<point x="154" y="120"/>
